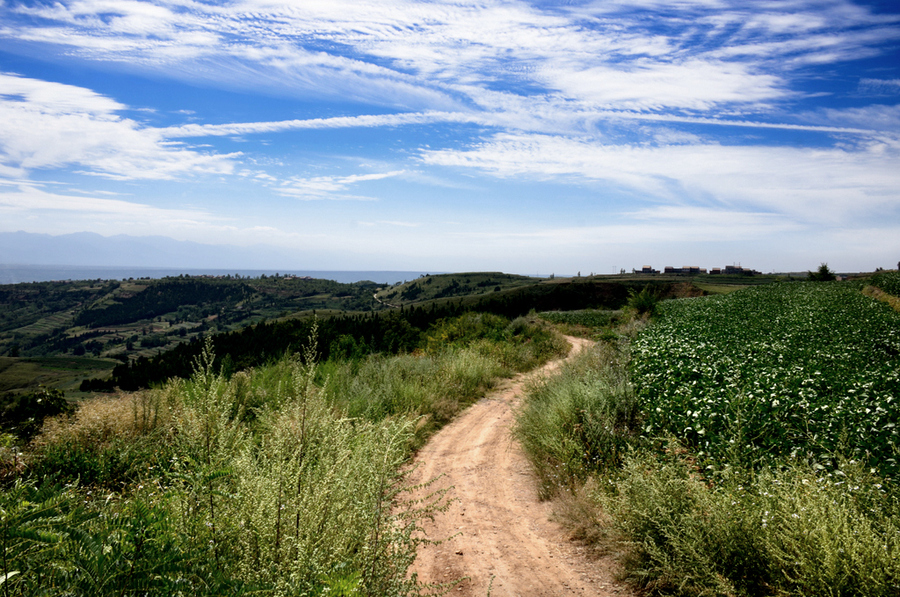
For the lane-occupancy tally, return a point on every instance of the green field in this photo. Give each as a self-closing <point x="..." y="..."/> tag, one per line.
<point x="719" y="288"/>
<point x="65" y="373"/>
<point x="786" y="370"/>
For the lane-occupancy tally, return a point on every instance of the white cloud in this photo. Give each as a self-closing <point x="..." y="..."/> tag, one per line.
<point x="880" y="86"/>
<point x="881" y="118"/>
<point x="330" y="187"/>
<point x="33" y="201"/>
<point x="51" y="125"/>
<point x="363" y="121"/>
<point x="423" y="54"/>
<point x="29" y="206"/>
<point x="812" y="185"/>
<point x="694" y="84"/>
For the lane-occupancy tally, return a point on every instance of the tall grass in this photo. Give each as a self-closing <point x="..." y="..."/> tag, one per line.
<point x="791" y="531"/>
<point x="281" y="480"/>
<point x="435" y="384"/>
<point x="581" y="421"/>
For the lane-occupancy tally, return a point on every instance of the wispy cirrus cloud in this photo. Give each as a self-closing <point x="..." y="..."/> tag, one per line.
<point x="706" y="119"/>
<point x="817" y="185"/>
<point x="361" y="121"/>
<point x="30" y="197"/>
<point x="879" y="86"/>
<point x="406" y="53"/>
<point x="330" y="187"/>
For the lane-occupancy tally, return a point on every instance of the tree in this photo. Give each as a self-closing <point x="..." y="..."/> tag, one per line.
<point x="823" y="274"/>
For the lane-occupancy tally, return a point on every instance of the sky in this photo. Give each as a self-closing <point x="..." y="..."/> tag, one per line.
<point x="497" y="135"/>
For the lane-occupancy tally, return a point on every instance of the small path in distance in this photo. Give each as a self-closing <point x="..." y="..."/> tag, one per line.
<point x="504" y="541"/>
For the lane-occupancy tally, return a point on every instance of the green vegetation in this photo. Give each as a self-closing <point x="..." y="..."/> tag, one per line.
<point x="790" y="530"/>
<point x="644" y="301"/>
<point x="719" y="288"/>
<point x="141" y="327"/>
<point x="747" y="448"/>
<point x="283" y="479"/>
<point x="788" y="370"/>
<point x="888" y="281"/>
<point x="51" y="318"/>
<point x="584" y="322"/>
<point x="580" y="422"/>
<point x="357" y="335"/>
<point x="823" y="274"/>
<point x="23" y="414"/>
<point x="429" y="288"/>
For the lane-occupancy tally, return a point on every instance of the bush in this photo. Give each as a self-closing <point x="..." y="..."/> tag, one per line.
<point x="823" y="274"/>
<point x="645" y="301"/>
<point x="887" y="281"/>
<point x="23" y="414"/>
<point x="108" y="441"/>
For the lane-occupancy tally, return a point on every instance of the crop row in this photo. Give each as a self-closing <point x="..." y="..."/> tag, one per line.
<point x="794" y="370"/>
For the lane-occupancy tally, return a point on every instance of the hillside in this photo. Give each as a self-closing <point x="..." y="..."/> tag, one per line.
<point x="139" y="331"/>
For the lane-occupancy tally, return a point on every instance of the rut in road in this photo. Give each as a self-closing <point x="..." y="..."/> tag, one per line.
<point x="502" y="539"/>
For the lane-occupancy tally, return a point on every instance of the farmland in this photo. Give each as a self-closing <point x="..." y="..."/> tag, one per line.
<point x="743" y="443"/>
<point x="789" y="370"/>
<point x="739" y="444"/>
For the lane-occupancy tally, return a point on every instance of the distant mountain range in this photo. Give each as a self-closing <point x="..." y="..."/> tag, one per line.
<point x="90" y="249"/>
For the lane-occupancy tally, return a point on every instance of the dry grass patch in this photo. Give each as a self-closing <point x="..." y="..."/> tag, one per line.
<point x="99" y="420"/>
<point x="880" y="295"/>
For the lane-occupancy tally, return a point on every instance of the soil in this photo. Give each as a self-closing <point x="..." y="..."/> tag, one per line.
<point x="499" y="537"/>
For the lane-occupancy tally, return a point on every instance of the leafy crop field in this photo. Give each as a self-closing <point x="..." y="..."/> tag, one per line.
<point x="786" y="370"/>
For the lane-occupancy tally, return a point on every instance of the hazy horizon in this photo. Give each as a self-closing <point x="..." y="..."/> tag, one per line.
<point x="89" y="251"/>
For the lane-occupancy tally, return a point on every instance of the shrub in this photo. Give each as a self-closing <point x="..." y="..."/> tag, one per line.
<point x="23" y="414"/>
<point x="108" y="441"/>
<point x="645" y="301"/>
<point x="888" y="281"/>
<point x="823" y="274"/>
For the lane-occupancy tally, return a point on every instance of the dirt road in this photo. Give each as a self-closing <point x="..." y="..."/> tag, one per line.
<point x="504" y="542"/>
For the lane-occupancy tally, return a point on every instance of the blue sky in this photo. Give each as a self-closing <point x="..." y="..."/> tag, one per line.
<point x="528" y="137"/>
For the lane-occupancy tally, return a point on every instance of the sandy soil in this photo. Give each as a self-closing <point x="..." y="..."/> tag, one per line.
<point x="502" y="538"/>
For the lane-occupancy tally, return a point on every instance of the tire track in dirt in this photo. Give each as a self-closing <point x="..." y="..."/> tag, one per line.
<point x="502" y="539"/>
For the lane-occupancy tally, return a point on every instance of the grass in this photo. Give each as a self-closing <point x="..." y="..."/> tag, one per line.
<point x="580" y="422"/>
<point x="287" y="496"/>
<point x="880" y="295"/>
<point x="789" y="531"/>
<point x="286" y="479"/>
<point x="719" y="288"/>
<point x="583" y="323"/>
<point x="694" y="525"/>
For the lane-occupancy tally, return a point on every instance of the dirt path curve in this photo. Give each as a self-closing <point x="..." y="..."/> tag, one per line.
<point x="502" y="529"/>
